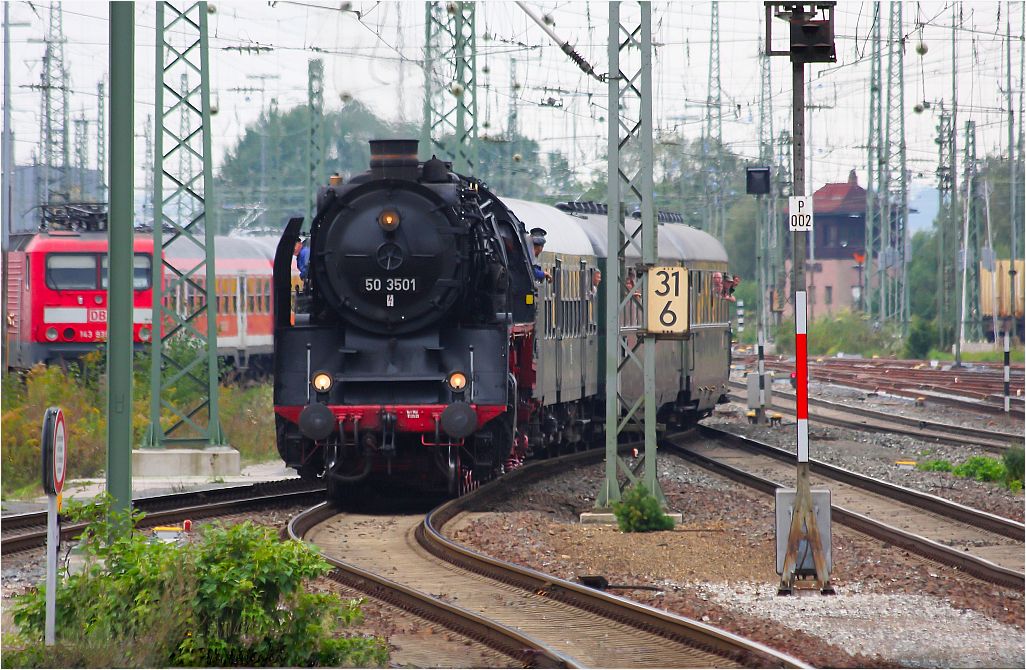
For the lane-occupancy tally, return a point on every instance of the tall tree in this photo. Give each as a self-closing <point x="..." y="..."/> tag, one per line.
<point x="284" y="136"/>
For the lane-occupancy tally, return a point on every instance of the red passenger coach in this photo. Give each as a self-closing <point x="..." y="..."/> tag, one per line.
<point x="242" y="287"/>
<point x="57" y="295"/>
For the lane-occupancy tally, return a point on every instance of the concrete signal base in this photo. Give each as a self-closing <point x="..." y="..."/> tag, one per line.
<point x="209" y="462"/>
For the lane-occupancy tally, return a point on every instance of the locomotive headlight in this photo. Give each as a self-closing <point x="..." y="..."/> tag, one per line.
<point x="144" y="334"/>
<point x="457" y="381"/>
<point x="322" y="382"/>
<point x="388" y="220"/>
<point x="51" y="334"/>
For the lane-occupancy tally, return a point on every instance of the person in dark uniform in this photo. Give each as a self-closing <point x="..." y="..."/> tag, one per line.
<point x="538" y="242"/>
<point x="302" y="253"/>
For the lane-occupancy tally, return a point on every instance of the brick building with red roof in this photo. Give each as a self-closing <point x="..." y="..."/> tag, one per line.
<point x="834" y="275"/>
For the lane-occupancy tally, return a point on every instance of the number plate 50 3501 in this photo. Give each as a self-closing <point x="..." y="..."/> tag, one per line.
<point x="668" y="300"/>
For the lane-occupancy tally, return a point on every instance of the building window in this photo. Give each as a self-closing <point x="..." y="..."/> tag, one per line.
<point x="829" y="297"/>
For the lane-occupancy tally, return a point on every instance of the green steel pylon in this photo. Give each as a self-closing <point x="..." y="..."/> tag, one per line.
<point x="971" y="324"/>
<point x="871" y="286"/>
<point x="315" y="138"/>
<point x="629" y="135"/>
<point x="101" y="142"/>
<point x="712" y="143"/>
<point x="946" y="237"/>
<point x="184" y="352"/>
<point x="769" y="233"/>
<point x="894" y="238"/>
<point x="450" y="110"/>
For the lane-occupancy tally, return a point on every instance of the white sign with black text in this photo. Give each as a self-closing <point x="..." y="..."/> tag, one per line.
<point x="799" y="214"/>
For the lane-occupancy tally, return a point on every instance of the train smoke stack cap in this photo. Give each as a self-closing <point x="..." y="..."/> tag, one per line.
<point x="396" y="159"/>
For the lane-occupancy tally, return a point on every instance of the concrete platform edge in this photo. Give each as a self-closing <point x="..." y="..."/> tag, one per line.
<point x="209" y="462"/>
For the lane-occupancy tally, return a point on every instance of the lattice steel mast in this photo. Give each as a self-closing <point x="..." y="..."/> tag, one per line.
<point x="894" y="296"/>
<point x="971" y="328"/>
<point x="148" y="183"/>
<point x="101" y="144"/>
<point x="946" y="237"/>
<point x="81" y="157"/>
<point x="713" y="141"/>
<point x="629" y="139"/>
<point x="185" y="348"/>
<point x="784" y="189"/>
<point x="54" y="147"/>
<point x="315" y="137"/>
<point x="450" y="114"/>
<point x="768" y="238"/>
<point x="874" y="168"/>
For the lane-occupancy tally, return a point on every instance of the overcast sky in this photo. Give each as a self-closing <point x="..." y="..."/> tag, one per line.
<point x="376" y="58"/>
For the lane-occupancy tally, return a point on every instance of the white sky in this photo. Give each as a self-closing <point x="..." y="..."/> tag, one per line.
<point x="376" y="59"/>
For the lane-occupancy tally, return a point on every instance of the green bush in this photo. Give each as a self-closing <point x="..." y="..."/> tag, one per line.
<point x="232" y="597"/>
<point x="935" y="466"/>
<point x="921" y="336"/>
<point x="982" y="469"/>
<point x="639" y="512"/>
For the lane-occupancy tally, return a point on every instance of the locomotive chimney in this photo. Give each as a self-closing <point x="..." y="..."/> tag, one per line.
<point x="394" y="159"/>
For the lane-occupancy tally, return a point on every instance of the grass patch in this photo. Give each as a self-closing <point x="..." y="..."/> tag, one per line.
<point x="1008" y="470"/>
<point x="247" y="419"/>
<point x="1017" y="355"/>
<point x="935" y="466"/>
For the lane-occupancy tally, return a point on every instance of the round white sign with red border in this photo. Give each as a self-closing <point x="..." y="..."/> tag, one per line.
<point x="60" y="460"/>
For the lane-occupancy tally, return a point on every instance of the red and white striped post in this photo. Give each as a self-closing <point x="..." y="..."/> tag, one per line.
<point x="801" y="365"/>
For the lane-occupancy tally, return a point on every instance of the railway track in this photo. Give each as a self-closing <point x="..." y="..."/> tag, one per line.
<point x="536" y="618"/>
<point x="978" y="388"/>
<point x="983" y="545"/>
<point x="860" y="418"/>
<point x="22" y="532"/>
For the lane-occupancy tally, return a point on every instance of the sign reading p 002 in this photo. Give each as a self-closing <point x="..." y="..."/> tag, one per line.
<point x="668" y="300"/>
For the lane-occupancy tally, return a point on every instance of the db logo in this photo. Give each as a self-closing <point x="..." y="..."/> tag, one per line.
<point x="98" y="316"/>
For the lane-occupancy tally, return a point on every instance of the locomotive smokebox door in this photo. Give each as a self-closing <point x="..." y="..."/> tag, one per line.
<point x="785" y="508"/>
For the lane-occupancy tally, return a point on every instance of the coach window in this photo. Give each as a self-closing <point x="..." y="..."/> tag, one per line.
<point x="71" y="272"/>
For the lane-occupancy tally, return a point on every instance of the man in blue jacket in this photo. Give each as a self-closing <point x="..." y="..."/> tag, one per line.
<point x="538" y="242"/>
<point x="302" y="253"/>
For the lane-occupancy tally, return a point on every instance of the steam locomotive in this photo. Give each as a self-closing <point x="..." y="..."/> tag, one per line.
<point x="420" y="351"/>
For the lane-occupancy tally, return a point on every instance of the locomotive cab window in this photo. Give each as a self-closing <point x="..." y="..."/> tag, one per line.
<point x="71" y="272"/>
<point x="142" y="272"/>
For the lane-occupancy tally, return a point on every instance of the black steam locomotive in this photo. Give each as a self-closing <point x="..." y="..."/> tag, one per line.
<point x="420" y="350"/>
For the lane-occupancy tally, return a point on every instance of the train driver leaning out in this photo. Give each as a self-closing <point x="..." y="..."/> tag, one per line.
<point x="538" y="242"/>
<point x="302" y="254"/>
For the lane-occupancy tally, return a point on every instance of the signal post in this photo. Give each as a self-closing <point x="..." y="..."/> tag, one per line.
<point x="811" y="41"/>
